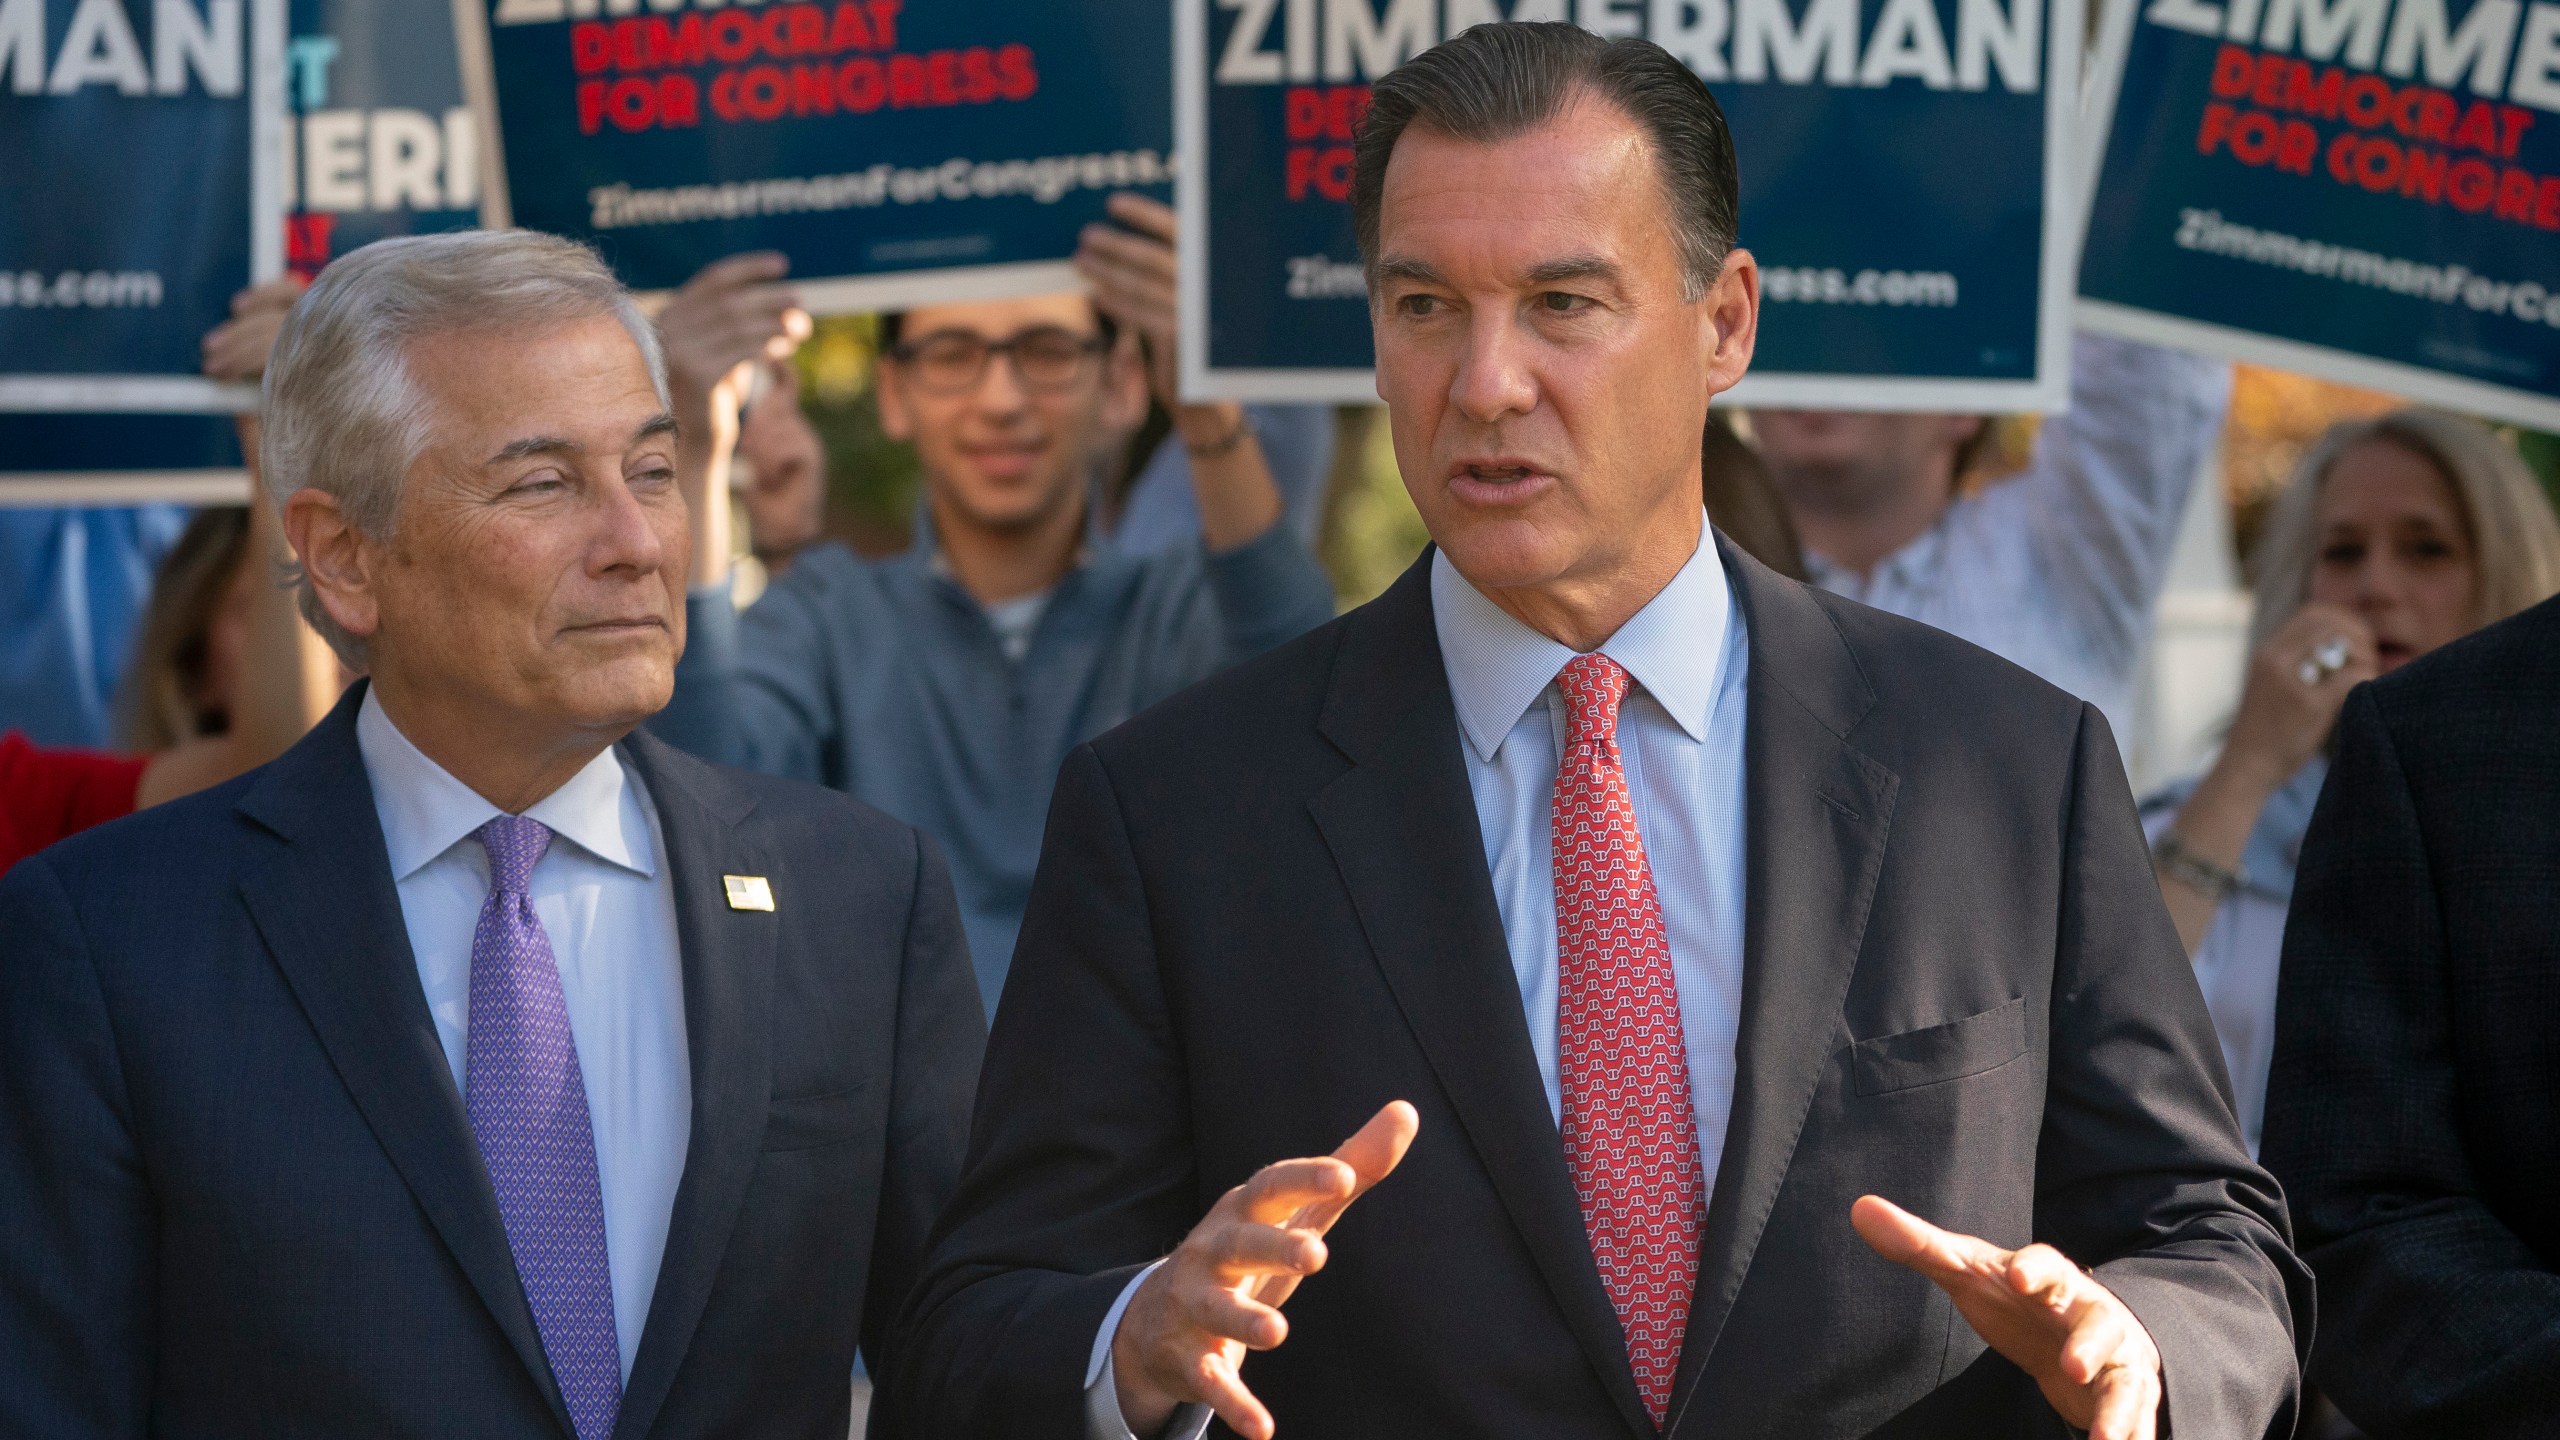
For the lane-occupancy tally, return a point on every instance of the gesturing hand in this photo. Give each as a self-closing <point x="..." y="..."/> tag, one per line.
<point x="2089" y="1354"/>
<point x="1218" y="1294"/>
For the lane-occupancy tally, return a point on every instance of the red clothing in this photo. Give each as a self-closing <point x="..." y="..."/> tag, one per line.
<point x="47" y="794"/>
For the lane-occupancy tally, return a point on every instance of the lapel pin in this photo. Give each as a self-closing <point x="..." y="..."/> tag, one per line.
<point x="747" y="892"/>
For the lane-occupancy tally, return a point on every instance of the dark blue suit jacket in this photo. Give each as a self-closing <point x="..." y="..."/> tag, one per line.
<point x="238" y="1195"/>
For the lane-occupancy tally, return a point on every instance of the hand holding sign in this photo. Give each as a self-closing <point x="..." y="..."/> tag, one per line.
<point x="2087" y="1352"/>
<point x="731" y="315"/>
<point x="1219" y="1293"/>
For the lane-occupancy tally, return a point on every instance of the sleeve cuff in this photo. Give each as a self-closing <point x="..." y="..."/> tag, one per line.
<point x="1102" y="1419"/>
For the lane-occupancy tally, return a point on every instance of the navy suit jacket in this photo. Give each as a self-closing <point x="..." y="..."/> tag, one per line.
<point x="1263" y="911"/>
<point x="238" y="1194"/>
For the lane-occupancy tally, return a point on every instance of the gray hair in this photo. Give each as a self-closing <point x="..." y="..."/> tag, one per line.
<point x="2515" y="539"/>
<point x="343" y="415"/>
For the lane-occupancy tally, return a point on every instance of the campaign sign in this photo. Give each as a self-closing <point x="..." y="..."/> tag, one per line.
<point x="377" y="140"/>
<point x="1905" y="169"/>
<point x="2363" y="189"/>
<point x="898" y="151"/>
<point x="120" y="460"/>
<point x="138" y="192"/>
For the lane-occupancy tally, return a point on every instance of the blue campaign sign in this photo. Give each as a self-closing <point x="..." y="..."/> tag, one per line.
<point x="2363" y="189"/>
<point x="378" y="141"/>
<point x="897" y="151"/>
<point x="139" y="191"/>
<point x="1905" y="186"/>
<point x="120" y="459"/>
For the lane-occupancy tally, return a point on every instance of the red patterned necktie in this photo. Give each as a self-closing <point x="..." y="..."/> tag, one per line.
<point x="1630" y="1135"/>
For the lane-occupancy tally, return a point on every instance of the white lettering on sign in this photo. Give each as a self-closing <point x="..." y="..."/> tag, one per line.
<point x="195" y="44"/>
<point x="381" y="160"/>
<point x="1786" y="42"/>
<point x="2407" y="39"/>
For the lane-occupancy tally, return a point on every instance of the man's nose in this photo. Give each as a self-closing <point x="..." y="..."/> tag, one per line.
<point x="1494" y="379"/>
<point x="1000" y="387"/>
<point x="628" y="532"/>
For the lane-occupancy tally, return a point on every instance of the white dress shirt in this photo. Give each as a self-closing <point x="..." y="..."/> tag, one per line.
<point x="608" y="906"/>
<point x="2057" y="569"/>
<point x="1680" y="733"/>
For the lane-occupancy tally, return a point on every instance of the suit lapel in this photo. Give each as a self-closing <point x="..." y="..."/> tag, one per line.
<point x="1402" y="826"/>
<point x="727" y="956"/>
<point x="331" y="919"/>
<point x="1816" y="813"/>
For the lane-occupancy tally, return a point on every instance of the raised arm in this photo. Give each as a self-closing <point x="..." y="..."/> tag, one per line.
<point x="2435" y="1317"/>
<point x="2107" y="489"/>
<point x="749" y="691"/>
<point x="1131" y="271"/>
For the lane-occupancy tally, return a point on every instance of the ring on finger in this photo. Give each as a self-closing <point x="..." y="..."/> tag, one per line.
<point x="2326" y="659"/>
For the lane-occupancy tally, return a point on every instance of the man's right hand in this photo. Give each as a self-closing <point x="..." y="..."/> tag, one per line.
<point x="1186" y="1330"/>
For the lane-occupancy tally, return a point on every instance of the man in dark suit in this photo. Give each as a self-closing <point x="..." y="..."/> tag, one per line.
<point x="1639" y="1001"/>
<point x="474" y="1070"/>
<point x="2413" y="1108"/>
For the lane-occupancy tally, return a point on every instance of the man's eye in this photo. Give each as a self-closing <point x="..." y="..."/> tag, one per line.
<point x="1418" y="304"/>
<point x="1562" y="302"/>
<point x="542" y="483"/>
<point x="655" y="475"/>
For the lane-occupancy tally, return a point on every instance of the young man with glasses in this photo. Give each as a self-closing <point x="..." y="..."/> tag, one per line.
<point x="947" y="684"/>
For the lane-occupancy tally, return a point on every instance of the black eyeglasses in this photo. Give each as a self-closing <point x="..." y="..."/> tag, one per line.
<point x="953" y="362"/>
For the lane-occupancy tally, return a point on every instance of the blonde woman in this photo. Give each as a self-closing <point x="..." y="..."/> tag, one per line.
<point x="2395" y="535"/>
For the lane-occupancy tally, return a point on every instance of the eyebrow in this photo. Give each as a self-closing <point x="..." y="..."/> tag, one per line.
<point x="1405" y="267"/>
<point x="1573" y="267"/>
<point x="662" y="423"/>
<point x="1545" y="272"/>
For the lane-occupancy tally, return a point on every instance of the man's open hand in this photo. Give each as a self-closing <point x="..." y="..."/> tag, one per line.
<point x="1219" y="1293"/>
<point x="2092" y="1358"/>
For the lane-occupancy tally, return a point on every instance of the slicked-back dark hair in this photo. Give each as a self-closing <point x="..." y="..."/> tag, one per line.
<point x="1493" y="81"/>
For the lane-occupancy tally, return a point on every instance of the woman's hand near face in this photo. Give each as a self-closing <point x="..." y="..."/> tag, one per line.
<point x="2288" y="705"/>
<point x="2293" y="693"/>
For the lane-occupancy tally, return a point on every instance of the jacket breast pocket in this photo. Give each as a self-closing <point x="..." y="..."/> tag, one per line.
<point x="806" y="1122"/>
<point x="1940" y="1052"/>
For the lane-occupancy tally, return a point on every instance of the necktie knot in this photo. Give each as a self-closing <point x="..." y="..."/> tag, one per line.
<point x="515" y="843"/>
<point x="1593" y="685"/>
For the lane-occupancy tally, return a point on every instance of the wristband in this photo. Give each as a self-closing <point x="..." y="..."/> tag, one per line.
<point x="2180" y="862"/>
<point x="1226" y="444"/>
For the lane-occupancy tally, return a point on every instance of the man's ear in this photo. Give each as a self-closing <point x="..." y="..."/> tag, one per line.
<point x="337" y="560"/>
<point x="1732" y="314"/>
<point x="1124" y="383"/>
<point x="889" y="392"/>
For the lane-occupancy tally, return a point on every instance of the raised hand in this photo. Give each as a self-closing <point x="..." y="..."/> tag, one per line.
<point x="732" y="315"/>
<point x="1218" y="1295"/>
<point x="2087" y="1352"/>
<point x="237" y="348"/>
<point x="1132" y="274"/>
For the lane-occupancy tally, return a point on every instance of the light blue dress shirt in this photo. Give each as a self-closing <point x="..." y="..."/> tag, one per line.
<point x="608" y="906"/>
<point x="1680" y="732"/>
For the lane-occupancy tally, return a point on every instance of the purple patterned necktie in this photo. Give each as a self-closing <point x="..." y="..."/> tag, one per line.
<point x="528" y="1109"/>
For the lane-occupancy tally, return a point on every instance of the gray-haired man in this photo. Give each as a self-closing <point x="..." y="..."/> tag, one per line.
<point x="481" y="1067"/>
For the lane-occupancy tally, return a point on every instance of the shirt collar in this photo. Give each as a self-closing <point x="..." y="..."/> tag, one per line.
<point x="1674" y="647"/>
<point x="1899" y="571"/>
<point x="425" y="811"/>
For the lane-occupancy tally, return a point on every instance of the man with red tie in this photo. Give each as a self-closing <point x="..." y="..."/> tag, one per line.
<point x="1656" y="927"/>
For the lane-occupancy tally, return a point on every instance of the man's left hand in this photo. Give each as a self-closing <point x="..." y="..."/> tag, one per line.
<point x="2089" y="1354"/>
